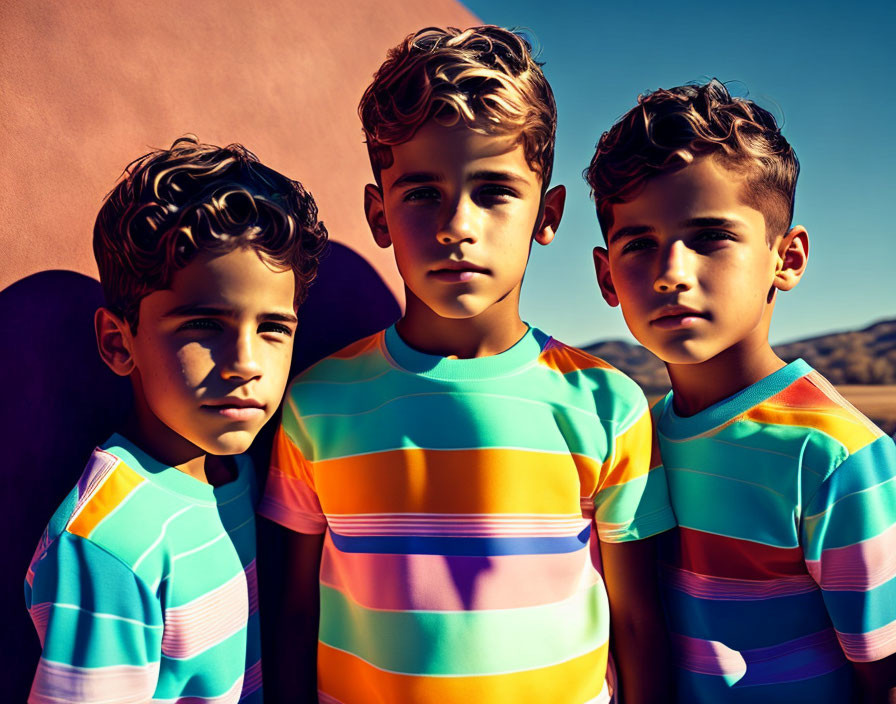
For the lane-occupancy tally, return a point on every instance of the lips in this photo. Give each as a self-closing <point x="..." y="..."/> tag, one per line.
<point x="236" y="408"/>
<point x="670" y="317"/>
<point x="456" y="271"/>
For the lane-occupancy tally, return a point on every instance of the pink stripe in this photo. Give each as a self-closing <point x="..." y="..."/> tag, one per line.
<point x="857" y="568"/>
<point x="211" y="619"/>
<point x="707" y="657"/>
<point x="455" y="582"/>
<point x="324" y="698"/>
<point x="251" y="680"/>
<point x="704" y="587"/>
<point x="871" y="646"/>
<point x="252" y="586"/>
<point x="40" y="615"/>
<point x="55" y="682"/>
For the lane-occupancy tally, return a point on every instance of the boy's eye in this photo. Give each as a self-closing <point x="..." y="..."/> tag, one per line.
<point x="277" y="328"/>
<point x="637" y="244"/>
<point x="201" y="324"/>
<point x="495" y="193"/>
<point x="421" y="194"/>
<point x="710" y="240"/>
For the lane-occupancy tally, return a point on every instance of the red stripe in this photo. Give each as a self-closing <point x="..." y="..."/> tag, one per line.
<point x="721" y="556"/>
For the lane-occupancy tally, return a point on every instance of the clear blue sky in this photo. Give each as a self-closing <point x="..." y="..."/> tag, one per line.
<point x="826" y="69"/>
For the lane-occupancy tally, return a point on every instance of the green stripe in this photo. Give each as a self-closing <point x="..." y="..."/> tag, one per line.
<point x="220" y="665"/>
<point x="466" y="642"/>
<point x="851" y="520"/>
<point x="640" y="507"/>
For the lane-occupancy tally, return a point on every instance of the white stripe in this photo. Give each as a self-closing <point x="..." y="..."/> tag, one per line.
<point x="158" y="540"/>
<point x="111" y="617"/>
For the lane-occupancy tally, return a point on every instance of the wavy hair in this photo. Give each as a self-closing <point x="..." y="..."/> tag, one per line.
<point x="483" y="77"/>
<point x="171" y="204"/>
<point x="668" y="129"/>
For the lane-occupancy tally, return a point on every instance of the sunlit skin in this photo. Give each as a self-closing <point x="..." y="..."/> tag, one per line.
<point x="461" y="209"/>
<point x="689" y="262"/>
<point x="209" y="361"/>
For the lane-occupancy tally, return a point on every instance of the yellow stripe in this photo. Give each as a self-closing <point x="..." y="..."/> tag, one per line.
<point x="836" y="421"/>
<point x="455" y="481"/>
<point x="569" y="359"/>
<point x="351" y="680"/>
<point x="634" y="454"/>
<point x="121" y="481"/>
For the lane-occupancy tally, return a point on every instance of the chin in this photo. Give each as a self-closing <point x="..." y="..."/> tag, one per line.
<point x="232" y="443"/>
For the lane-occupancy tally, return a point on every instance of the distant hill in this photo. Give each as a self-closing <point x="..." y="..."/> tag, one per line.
<point x="860" y="357"/>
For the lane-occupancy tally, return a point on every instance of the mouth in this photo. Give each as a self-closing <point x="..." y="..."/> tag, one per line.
<point x="457" y="271"/>
<point x="672" y="317"/>
<point x="236" y="408"/>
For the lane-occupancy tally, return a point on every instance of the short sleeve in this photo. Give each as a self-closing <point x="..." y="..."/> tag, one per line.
<point x="99" y="625"/>
<point x="849" y="543"/>
<point x="289" y="496"/>
<point x="632" y="501"/>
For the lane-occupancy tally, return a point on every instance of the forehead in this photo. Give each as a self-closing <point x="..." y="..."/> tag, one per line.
<point x="703" y="188"/>
<point x="445" y="151"/>
<point x="239" y="280"/>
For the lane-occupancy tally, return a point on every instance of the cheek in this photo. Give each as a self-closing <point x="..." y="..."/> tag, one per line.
<point x="192" y="364"/>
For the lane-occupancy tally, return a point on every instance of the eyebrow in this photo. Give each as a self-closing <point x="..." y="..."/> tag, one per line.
<point x="635" y="230"/>
<point x="417" y="177"/>
<point x="196" y="311"/>
<point x="629" y="231"/>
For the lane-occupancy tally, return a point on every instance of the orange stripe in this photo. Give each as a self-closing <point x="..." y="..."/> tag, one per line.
<point x="565" y="359"/>
<point x="635" y="453"/>
<point x="351" y="680"/>
<point x="838" y="422"/>
<point x="286" y="457"/>
<point x="121" y="481"/>
<point x="356" y="349"/>
<point x="455" y="481"/>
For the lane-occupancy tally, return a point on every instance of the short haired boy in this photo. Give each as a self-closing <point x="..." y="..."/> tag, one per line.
<point x="782" y="572"/>
<point x="143" y="585"/>
<point x="451" y="468"/>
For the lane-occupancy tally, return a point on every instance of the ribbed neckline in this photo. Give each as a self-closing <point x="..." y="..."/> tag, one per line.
<point x="173" y="479"/>
<point x="677" y="427"/>
<point x="524" y="353"/>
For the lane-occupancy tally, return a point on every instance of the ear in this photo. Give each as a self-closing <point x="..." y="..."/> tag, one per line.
<point x="551" y="213"/>
<point x="113" y="338"/>
<point x="376" y="215"/>
<point x="793" y="255"/>
<point x="604" y="280"/>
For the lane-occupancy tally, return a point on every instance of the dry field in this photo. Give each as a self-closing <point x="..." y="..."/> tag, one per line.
<point x="876" y="402"/>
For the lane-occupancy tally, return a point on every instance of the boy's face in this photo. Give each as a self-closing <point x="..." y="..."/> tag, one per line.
<point x="690" y="265"/>
<point x="460" y="209"/>
<point x="211" y="354"/>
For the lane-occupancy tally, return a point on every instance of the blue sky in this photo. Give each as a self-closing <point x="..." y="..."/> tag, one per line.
<point x="824" y="68"/>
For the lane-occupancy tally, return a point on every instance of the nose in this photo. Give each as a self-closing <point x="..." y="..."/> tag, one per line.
<point x="676" y="269"/>
<point x="242" y="361"/>
<point x="460" y="225"/>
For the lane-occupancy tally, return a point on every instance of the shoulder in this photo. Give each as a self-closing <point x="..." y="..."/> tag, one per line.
<point x="613" y="391"/>
<point x="355" y="362"/>
<point x="813" y="408"/>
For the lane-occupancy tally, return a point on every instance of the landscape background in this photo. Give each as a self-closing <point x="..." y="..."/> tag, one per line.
<point x="861" y="363"/>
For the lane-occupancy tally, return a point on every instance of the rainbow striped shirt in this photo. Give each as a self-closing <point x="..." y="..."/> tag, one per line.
<point x="143" y="587"/>
<point x="458" y="499"/>
<point x="784" y="565"/>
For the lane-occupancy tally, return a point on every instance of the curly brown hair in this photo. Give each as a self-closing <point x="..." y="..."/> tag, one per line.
<point x="171" y="204"/>
<point x="668" y="129"/>
<point x="484" y="77"/>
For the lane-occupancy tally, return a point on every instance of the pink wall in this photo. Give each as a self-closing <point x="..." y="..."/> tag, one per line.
<point x="87" y="87"/>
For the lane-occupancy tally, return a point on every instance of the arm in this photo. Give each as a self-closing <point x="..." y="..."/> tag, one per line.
<point x="290" y="611"/>
<point x="100" y="626"/>
<point x="877" y="680"/>
<point x="637" y="626"/>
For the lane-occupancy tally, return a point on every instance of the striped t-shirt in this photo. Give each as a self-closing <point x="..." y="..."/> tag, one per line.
<point x="458" y="499"/>
<point x="143" y="587"/>
<point x="784" y="565"/>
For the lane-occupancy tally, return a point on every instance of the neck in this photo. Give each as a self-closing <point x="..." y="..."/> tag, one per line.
<point x="491" y="332"/>
<point x="160" y="442"/>
<point x="699" y="386"/>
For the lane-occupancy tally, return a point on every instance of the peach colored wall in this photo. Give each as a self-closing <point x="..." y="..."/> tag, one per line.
<point x="85" y="87"/>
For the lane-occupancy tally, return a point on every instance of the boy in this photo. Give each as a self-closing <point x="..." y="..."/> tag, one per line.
<point x="441" y="477"/>
<point x="782" y="570"/>
<point x="143" y="585"/>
